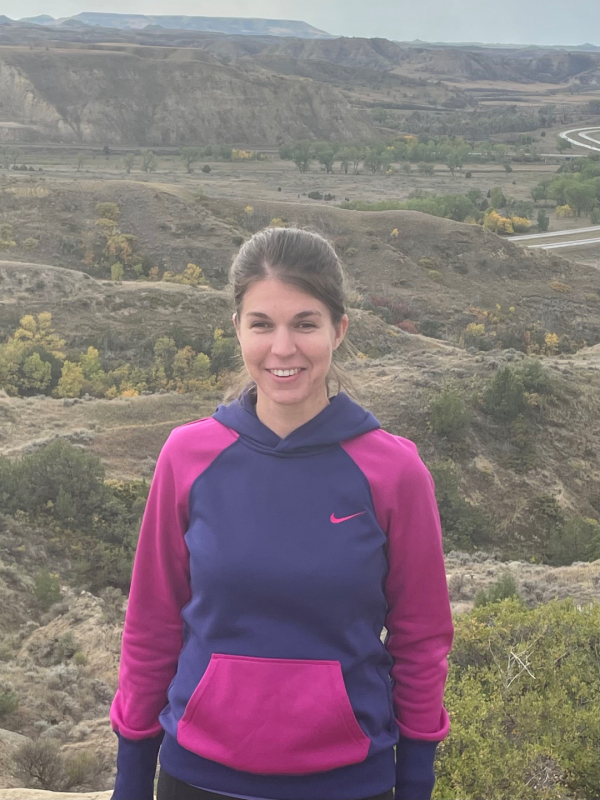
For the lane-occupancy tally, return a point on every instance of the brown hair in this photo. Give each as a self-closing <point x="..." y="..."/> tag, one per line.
<point x="306" y="260"/>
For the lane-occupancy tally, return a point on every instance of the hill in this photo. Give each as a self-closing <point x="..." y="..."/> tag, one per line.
<point x="147" y="98"/>
<point x="235" y="25"/>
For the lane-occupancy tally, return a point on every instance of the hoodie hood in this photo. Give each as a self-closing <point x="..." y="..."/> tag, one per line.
<point x="342" y="419"/>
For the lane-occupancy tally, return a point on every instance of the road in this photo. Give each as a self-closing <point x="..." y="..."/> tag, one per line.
<point x="581" y="243"/>
<point x="583" y="133"/>
<point x="586" y="241"/>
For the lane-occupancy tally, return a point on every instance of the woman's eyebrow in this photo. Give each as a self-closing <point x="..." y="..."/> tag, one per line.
<point x="297" y="316"/>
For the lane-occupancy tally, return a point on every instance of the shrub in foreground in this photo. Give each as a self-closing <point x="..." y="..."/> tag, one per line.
<point x="523" y="695"/>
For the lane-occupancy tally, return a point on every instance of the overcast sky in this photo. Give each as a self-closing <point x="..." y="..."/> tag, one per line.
<point x="512" y="21"/>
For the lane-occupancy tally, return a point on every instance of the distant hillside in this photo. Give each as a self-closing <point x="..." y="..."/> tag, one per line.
<point x="153" y="96"/>
<point x="237" y="25"/>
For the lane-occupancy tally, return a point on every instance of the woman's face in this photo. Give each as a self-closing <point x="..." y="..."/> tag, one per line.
<point x="283" y="328"/>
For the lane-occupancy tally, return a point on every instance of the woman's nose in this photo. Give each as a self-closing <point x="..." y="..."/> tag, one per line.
<point x="283" y="342"/>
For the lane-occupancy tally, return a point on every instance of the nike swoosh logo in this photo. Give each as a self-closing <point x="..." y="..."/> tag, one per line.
<point x="333" y="518"/>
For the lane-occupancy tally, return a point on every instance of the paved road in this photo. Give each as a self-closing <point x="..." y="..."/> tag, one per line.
<point x="555" y="245"/>
<point x="583" y="133"/>
<point x="571" y="232"/>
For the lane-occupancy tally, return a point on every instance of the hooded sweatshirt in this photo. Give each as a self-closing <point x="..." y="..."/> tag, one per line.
<point x="265" y="572"/>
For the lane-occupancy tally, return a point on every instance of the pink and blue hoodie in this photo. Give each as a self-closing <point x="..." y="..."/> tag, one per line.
<point x="265" y="571"/>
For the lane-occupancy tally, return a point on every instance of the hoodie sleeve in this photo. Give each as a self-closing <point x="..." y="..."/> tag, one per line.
<point x="153" y="631"/>
<point x="419" y="625"/>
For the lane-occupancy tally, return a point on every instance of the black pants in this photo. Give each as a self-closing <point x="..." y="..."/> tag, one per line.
<point x="169" y="788"/>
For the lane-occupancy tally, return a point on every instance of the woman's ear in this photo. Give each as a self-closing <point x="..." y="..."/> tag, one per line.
<point x="341" y="330"/>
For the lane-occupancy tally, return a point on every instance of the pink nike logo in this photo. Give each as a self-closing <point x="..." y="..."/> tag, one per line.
<point x="333" y="518"/>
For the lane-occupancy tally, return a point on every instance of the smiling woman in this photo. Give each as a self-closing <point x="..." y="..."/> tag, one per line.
<point x="281" y="535"/>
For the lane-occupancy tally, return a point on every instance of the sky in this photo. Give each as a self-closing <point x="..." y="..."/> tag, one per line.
<point x="512" y="21"/>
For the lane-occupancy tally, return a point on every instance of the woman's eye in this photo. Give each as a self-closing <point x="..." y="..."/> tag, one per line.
<point x="259" y="324"/>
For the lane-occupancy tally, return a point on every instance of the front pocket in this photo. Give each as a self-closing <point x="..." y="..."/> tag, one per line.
<point x="273" y="716"/>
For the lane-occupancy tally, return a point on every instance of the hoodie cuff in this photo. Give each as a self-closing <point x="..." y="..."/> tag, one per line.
<point x="415" y="777"/>
<point x="136" y="768"/>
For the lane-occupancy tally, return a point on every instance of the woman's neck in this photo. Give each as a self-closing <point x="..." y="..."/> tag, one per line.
<point x="284" y="418"/>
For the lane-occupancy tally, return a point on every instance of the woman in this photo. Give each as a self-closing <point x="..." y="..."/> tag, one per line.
<point x="280" y="535"/>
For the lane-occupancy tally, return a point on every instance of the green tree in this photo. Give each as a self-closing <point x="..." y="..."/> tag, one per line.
<point x="117" y="272"/>
<point x="302" y="153"/>
<point x="523" y="208"/>
<point x="425" y="168"/>
<point x="37" y="374"/>
<point x="149" y="160"/>
<point x="325" y="154"/>
<point x="497" y="198"/>
<point x="344" y="156"/>
<point x="453" y="162"/>
<point x="128" y="162"/>
<point x="189" y="155"/>
<point x="71" y="381"/>
<point x="581" y="197"/>
<point x="540" y="192"/>
<point x="543" y="221"/>
<point x="562" y="145"/>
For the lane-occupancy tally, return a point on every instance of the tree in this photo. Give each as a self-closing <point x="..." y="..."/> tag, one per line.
<point x="80" y="161"/>
<point x="345" y="158"/>
<point x="507" y="166"/>
<point x="425" y="169"/>
<point x="523" y="208"/>
<point x="406" y="167"/>
<point x="71" y="380"/>
<point x="37" y="374"/>
<point x="39" y="332"/>
<point x="581" y="196"/>
<point x="325" y="153"/>
<point x="373" y="161"/>
<point x="116" y="271"/>
<point x="543" y="221"/>
<point x="540" y="192"/>
<point x="128" y="162"/>
<point x="189" y="155"/>
<point x="149" y="160"/>
<point x="453" y="162"/>
<point x="562" y="145"/>
<point x="302" y="154"/>
<point x="497" y="198"/>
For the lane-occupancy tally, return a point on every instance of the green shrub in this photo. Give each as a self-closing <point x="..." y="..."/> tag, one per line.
<point x="65" y="647"/>
<point x="47" y="589"/>
<point x="9" y="701"/>
<point x="39" y="764"/>
<point x="522" y="694"/>
<point x="448" y="416"/>
<point x="465" y="526"/>
<point x="505" y="398"/>
<point x="534" y="377"/>
<point x="502" y="588"/>
<point x="577" y="540"/>
<point x="108" y="211"/>
<point x="80" y="658"/>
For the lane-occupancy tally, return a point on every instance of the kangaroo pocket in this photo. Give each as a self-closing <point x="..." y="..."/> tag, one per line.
<point x="273" y="716"/>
